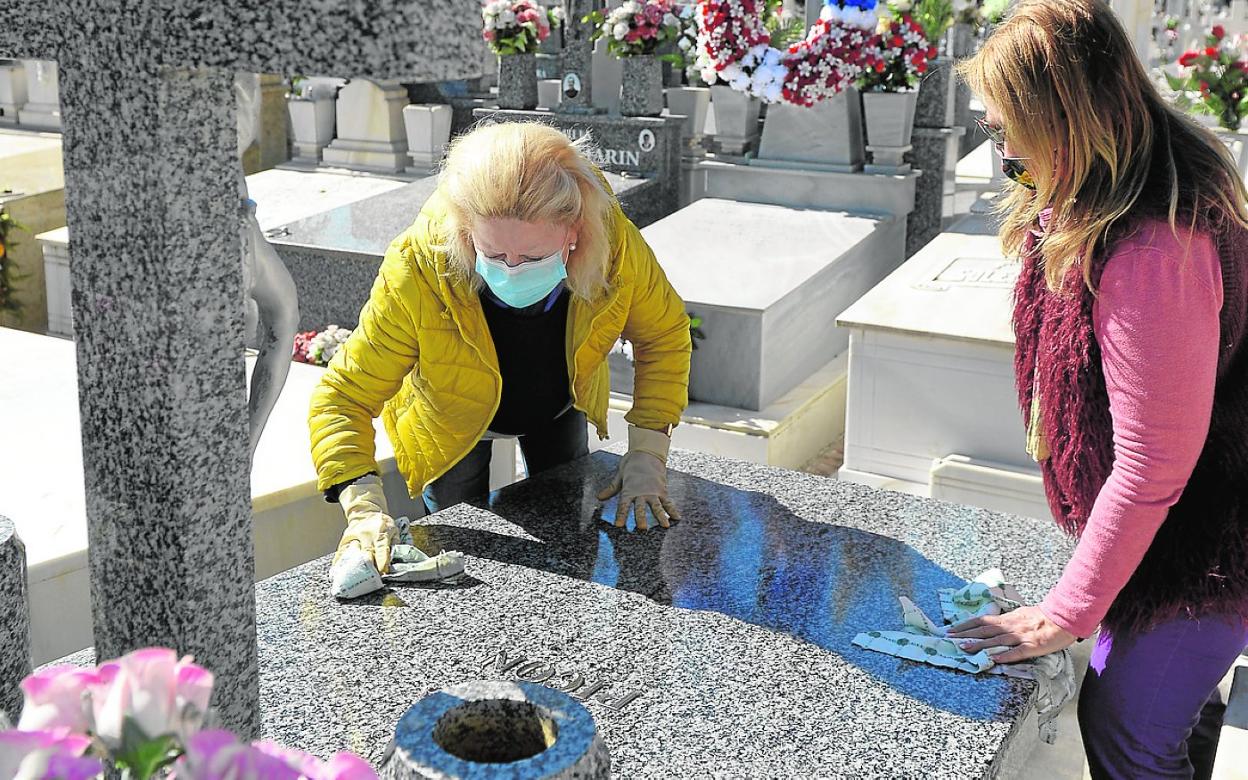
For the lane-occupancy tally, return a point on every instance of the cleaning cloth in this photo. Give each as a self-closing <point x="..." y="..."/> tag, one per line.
<point x="355" y="574"/>
<point x="922" y="640"/>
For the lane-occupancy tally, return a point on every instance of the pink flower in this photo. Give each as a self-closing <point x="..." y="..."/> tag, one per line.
<point x="347" y="766"/>
<point x="489" y="37"/>
<point x="218" y="755"/>
<point x="161" y="694"/>
<point x="46" y="754"/>
<point x="55" y="698"/>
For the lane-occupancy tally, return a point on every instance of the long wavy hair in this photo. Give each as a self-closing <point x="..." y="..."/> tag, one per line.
<point x="534" y="173"/>
<point x="1104" y="147"/>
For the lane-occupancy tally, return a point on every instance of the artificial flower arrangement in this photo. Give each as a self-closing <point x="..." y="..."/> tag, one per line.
<point x="514" y="26"/>
<point x="318" y="348"/>
<point x="1218" y="75"/>
<point x="637" y="27"/>
<point x="686" y="55"/>
<point x="555" y="16"/>
<point x="934" y="17"/>
<point x="851" y="45"/>
<point x="900" y="53"/>
<point x="143" y="716"/>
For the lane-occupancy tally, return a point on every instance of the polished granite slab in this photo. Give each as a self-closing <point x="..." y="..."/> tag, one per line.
<point x="720" y="647"/>
<point x="334" y="255"/>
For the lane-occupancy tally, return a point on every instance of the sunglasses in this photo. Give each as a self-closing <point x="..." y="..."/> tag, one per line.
<point x="995" y="133"/>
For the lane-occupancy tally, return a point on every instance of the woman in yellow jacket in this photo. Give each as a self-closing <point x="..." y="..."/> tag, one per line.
<point x="492" y="316"/>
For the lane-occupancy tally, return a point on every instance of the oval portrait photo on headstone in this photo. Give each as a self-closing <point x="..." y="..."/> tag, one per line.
<point x="571" y="85"/>
<point x="645" y="140"/>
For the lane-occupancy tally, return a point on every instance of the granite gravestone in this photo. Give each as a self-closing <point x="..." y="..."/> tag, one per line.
<point x="722" y="646"/>
<point x="14" y="620"/>
<point x="150" y="162"/>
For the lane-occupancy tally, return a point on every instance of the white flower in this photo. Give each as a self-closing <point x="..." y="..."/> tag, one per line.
<point x="772" y="57"/>
<point x="507" y="18"/>
<point x="620" y="31"/>
<point x="740" y="83"/>
<point x="904" y="6"/>
<point x="710" y="75"/>
<point x="684" y="44"/>
<point x="773" y="93"/>
<point x="631" y="7"/>
<point x="670" y="21"/>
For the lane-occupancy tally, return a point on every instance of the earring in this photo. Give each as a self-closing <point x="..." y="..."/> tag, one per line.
<point x="572" y="248"/>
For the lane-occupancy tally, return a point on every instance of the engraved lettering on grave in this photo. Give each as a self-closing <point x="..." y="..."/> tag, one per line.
<point x="526" y="670"/>
<point x="974" y="272"/>
<point x="620" y="158"/>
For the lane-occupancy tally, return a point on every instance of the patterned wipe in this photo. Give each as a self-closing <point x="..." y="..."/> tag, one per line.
<point x="355" y="575"/>
<point x="923" y="641"/>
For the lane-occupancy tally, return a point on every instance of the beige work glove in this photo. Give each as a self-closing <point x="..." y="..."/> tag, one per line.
<point x="641" y="481"/>
<point x="370" y="528"/>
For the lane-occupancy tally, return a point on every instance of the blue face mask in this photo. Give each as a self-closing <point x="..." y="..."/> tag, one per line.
<point x="525" y="284"/>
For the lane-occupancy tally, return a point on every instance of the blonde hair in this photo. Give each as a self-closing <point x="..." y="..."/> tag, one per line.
<point x="1100" y="141"/>
<point x="533" y="173"/>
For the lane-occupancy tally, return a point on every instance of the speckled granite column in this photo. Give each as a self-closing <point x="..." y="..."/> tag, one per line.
<point x="14" y="620"/>
<point x="152" y="200"/>
<point x="158" y="316"/>
<point x="576" y="60"/>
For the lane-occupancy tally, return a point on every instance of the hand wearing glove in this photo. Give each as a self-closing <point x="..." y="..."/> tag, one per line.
<point x="641" y="481"/>
<point x="364" y="552"/>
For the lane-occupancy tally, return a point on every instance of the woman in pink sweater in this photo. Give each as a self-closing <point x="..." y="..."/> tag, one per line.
<point x="1132" y="365"/>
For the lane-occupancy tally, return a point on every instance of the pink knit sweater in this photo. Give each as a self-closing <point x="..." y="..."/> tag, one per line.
<point x="1156" y="321"/>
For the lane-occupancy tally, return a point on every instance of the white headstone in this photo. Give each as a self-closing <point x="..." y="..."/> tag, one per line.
<point x="12" y="91"/>
<point x="43" y="109"/>
<point x="371" y="135"/>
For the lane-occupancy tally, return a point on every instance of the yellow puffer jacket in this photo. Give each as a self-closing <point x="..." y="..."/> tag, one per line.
<point x="422" y="357"/>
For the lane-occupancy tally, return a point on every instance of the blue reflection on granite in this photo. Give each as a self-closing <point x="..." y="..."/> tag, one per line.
<point x="743" y="554"/>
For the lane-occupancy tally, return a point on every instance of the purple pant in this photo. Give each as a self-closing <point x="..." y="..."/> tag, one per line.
<point x="1145" y="694"/>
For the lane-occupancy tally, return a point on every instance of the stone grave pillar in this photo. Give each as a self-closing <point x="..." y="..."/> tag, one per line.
<point x="608" y="72"/>
<point x="371" y="136"/>
<point x="576" y="60"/>
<point x="42" y="110"/>
<point x="151" y="167"/>
<point x="272" y="145"/>
<point x="936" y="150"/>
<point x="14" y="620"/>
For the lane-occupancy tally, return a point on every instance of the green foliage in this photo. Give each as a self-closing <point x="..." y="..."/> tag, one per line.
<point x="1213" y="81"/>
<point x="935" y="17"/>
<point x="142" y="758"/>
<point x="993" y="11"/>
<point x="8" y="302"/>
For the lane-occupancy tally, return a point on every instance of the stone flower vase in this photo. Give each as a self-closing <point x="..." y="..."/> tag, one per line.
<point x="486" y="730"/>
<point x="517" y="81"/>
<point x="827" y="134"/>
<point x="937" y="95"/>
<point x="889" y="121"/>
<point x="311" y="125"/>
<point x="692" y="103"/>
<point x="641" y="91"/>
<point x="428" y="127"/>
<point x="736" y="119"/>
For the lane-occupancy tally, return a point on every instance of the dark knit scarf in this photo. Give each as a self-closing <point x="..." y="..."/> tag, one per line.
<point x="1198" y="562"/>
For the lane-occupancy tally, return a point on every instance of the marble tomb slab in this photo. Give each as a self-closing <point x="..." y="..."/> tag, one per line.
<point x="768" y="282"/>
<point x="721" y="647"/>
<point x="931" y="377"/>
<point x="333" y="256"/>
